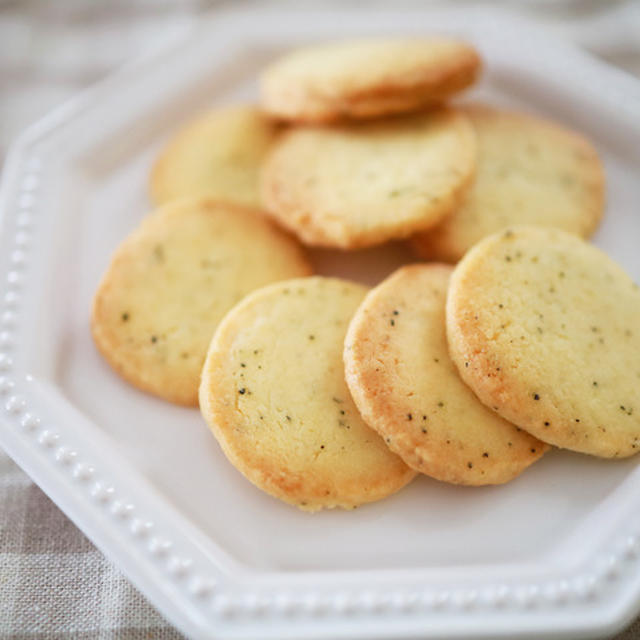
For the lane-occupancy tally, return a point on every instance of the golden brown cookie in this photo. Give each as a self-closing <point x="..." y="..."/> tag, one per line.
<point x="274" y="394"/>
<point x="172" y="280"/>
<point x="529" y="171"/>
<point x="217" y="155"/>
<point x="544" y="328"/>
<point x="362" y="184"/>
<point x="407" y="388"/>
<point x="367" y="78"/>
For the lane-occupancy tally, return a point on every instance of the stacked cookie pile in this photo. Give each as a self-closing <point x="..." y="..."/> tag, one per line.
<point x="324" y="393"/>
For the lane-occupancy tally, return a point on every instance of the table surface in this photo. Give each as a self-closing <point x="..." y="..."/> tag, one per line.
<point x="53" y="581"/>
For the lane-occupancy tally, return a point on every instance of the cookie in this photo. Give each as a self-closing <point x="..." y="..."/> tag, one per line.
<point x="362" y="184"/>
<point x="544" y="328"/>
<point x="407" y="388"/>
<point x="274" y="394"/>
<point x="216" y="155"/>
<point x="367" y="78"/>
<point x="529" y="172"/>
<point x="173" y="279"/>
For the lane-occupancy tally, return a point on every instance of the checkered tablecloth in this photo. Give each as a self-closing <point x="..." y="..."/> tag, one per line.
<point x="53" y="582"/>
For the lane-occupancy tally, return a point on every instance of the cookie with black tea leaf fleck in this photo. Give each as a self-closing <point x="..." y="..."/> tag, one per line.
<point x="217" y="154"/>
<point x="367" y="78"/>
<point x="529" y="171"/>
<point x="407" y="388"/>
<point x="274" y="395"/>
<point x="544" y="328"/>
<point x="172" y="280"/>
<point x="363" y="184"/>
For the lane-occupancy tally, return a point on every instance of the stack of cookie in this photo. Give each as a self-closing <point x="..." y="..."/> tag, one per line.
<point x="324" y="393"/>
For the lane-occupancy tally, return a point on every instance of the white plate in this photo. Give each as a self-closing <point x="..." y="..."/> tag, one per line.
<point x="554" y="552"/>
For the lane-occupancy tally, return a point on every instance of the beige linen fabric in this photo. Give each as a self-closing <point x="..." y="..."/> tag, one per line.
<point x="54" y="582"/>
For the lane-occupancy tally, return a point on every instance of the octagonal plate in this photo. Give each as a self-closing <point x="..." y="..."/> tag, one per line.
<point x="554" y="552"/>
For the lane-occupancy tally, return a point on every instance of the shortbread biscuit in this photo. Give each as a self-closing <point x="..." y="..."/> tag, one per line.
<point x="173" y="279"/>
<point x="407" y="388"/>
<point x="274" y="394"/>
<point x="361" y="184"/>
<point x="529" y="172"/>
<point x="545" y="329"/>
<point x="367" y="78"/>
<point x="217" y="155"/>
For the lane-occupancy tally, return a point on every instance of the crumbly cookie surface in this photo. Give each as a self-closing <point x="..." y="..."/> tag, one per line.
<point x="407" y="388"/>
<point x="544" y="328"/>
<point x="217" y="155"/>
<point x="172" y="280"/>
<point x="367" y="78"/>
<point x="274" y="394"/>
<point x="358" y="185"/>
<point x="529" y="172"/>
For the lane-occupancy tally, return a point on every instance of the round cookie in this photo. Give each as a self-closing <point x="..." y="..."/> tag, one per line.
<point x="407" y="388"/>
<point x="274" y="394"/>
<point x="362" y="184"/>
<point x="544" y="328"/>
<point x="367" y="78"/>
<point x="217" y="155"/>
<point x="529" y="171"/>
<point x="172" y="280"/>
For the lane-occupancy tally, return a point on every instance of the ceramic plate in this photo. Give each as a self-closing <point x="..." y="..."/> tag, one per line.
<point x="555" y="552"/>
